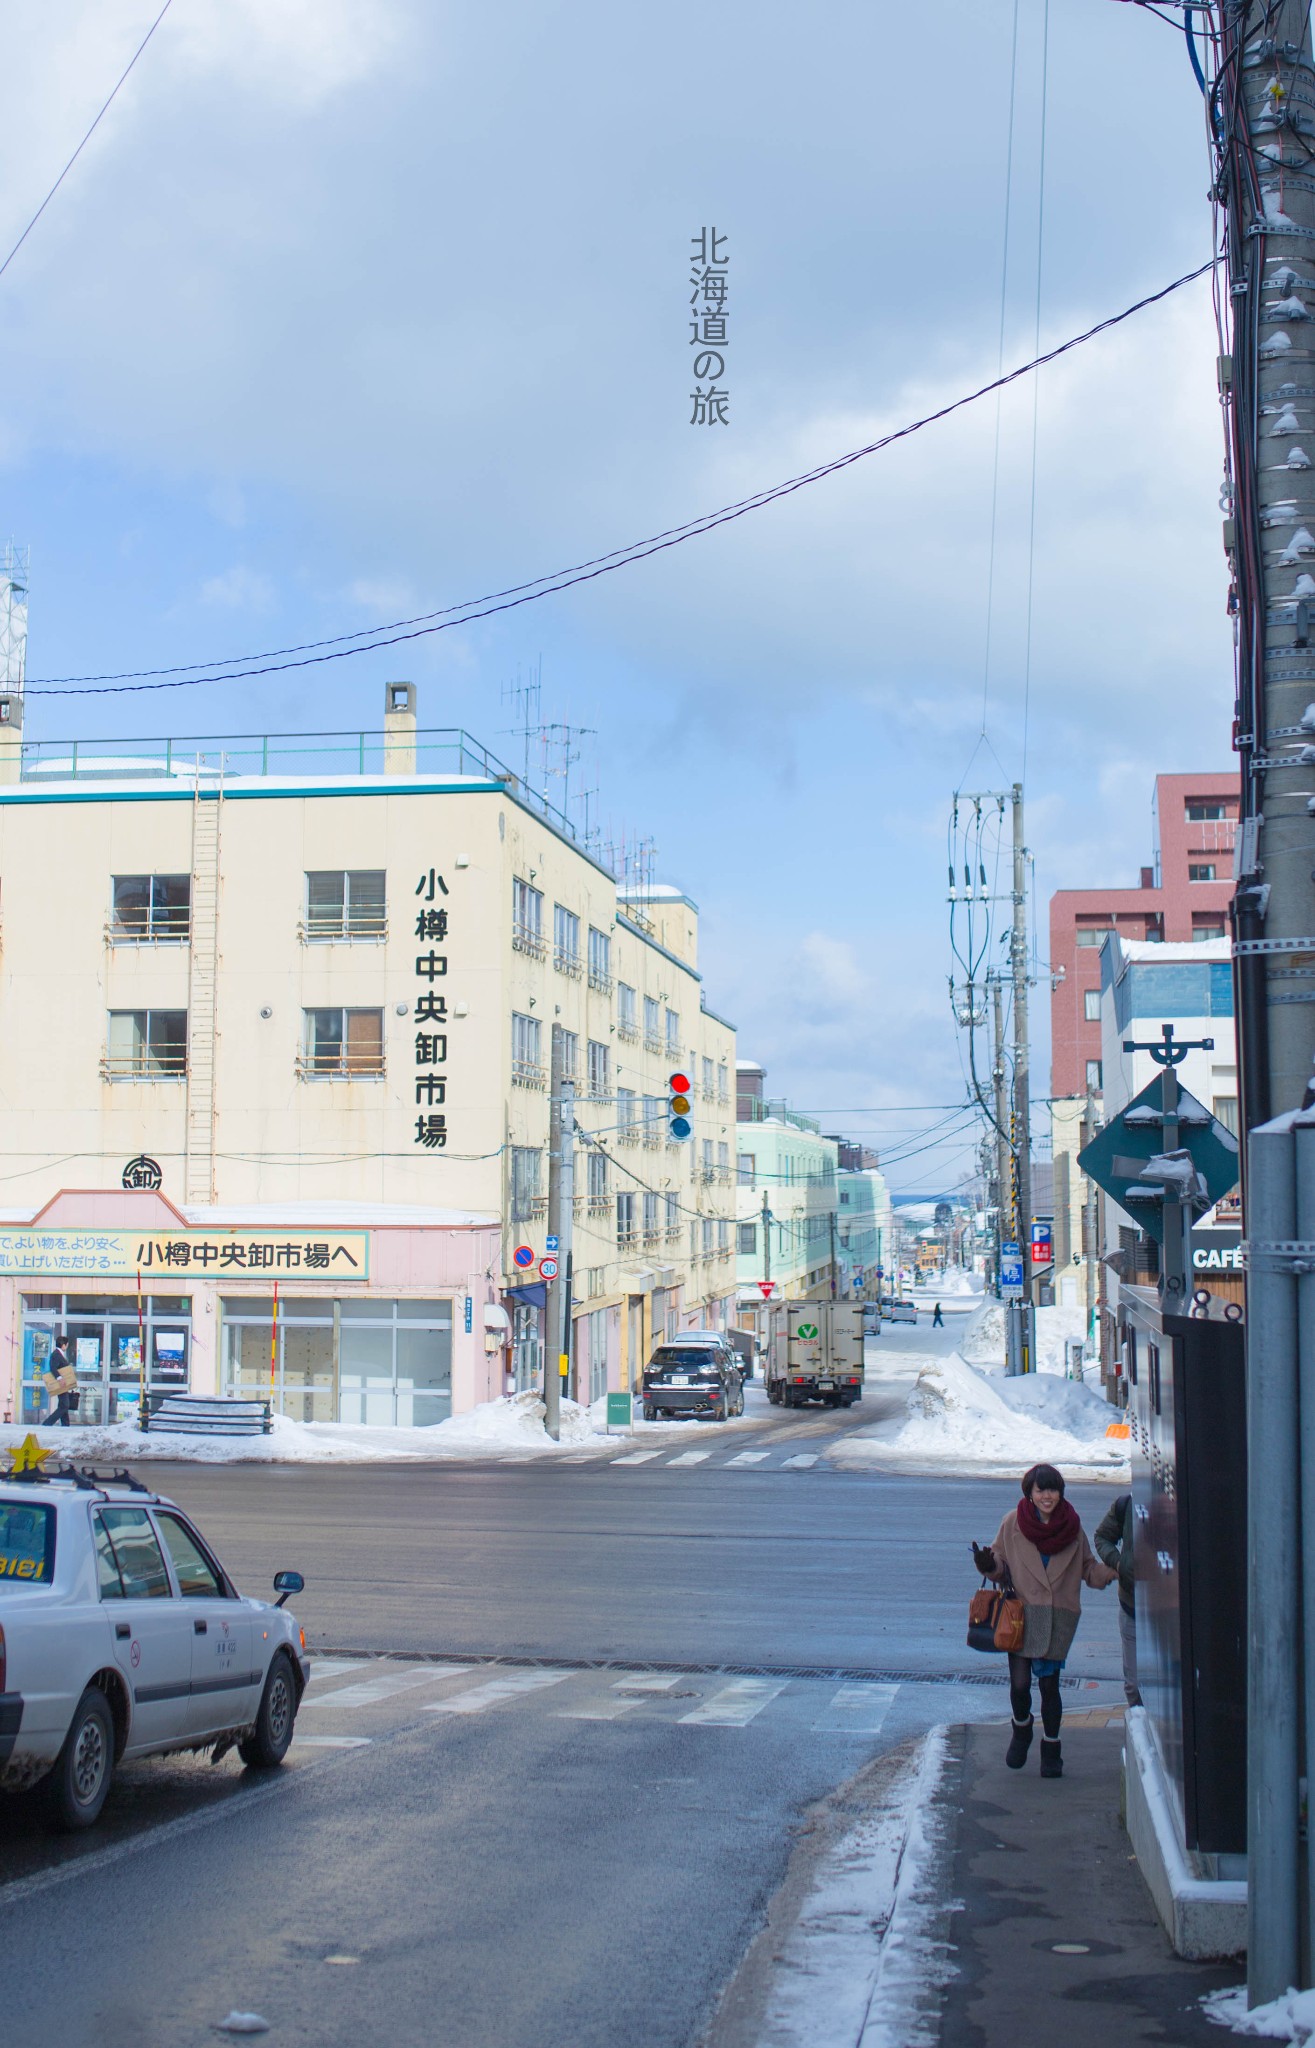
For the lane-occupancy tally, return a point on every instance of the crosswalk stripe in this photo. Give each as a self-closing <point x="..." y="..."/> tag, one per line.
<point x="856" y="1710"/>
<point x="690" y="1458"/>
<point x="735" y="1705"/>
<point x="510" y="1686"/>
<point x="372" y="1690"/>
<point x="749" y="1458"/>
<point x="333" y="1667"/>
<point x="625" y="1696"/>
<point x="635" y="1458"/>
<point x="800" y="1463"/>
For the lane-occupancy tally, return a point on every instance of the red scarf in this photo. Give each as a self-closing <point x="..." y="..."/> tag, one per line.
<point x="1055" y="1535"/>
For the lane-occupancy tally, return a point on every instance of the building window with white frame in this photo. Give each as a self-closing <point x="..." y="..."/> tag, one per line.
<point x="707" y="1237"/>
<point x="526" y="1051"/>
<point x="1094" y="1075"/>
<point x="146" y="1045"/>
<point x="709" y="1080"/>
<point x="627" y="1014"/>
<point x="744" y="1164"/>
<point x="723" y="1082"/>
<point x="652" y="1224"/>
<point x="673" y="1035"/>
<point x="652" y="1024"/>
<point x="673" y="1218"/>
<point x="345" y="903"/>
<point x="567" y="1046"/>
<point x="342" y="1044"/>
<point x="654" y="1111"/>
<point x="600" y="1069"/>
<point x="600" y="961"/>
<point x="626" y="1233"/>
<point x="596" y="1182"/>
<point x="1091" y="1005"/>
<point x="526" y="1182"/>
<point x="527" y="919"/>
<point x="626" y="1121"/>
<point x="150" y="909"/>
<point x="565" y="940"/>
<point x="748" y="1240"/>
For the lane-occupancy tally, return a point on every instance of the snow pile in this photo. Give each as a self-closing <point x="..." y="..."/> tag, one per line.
<point x="962" y="1420"/>
<point x="984" y="1344"/>
<point x="1290" y="2018"/>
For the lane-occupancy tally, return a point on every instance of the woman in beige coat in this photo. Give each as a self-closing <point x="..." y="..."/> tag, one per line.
<point x="1041" y="1548"/>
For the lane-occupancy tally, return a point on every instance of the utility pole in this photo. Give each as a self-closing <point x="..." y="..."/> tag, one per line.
<point x="1022" y="1103"/>
<point x="561" y="1217"/>
<point x="767" y="1240"/>
<point x="1003" y="1157"/>
<point x="831" y="1221"/>
<point x="1090" y="1217"/>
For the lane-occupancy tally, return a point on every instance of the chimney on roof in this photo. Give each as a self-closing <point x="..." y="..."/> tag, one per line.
<point x="399" y="728"/>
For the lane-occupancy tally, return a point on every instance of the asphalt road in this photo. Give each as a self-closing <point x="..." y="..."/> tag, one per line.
<point x="571" y="1846"/>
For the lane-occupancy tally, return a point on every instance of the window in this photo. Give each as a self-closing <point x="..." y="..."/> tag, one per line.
<point x="707" y="1237"/>
<point x="596" y="1180"/>
<point x="27" y="1544"/>
<point x="346" y="903"/>
<point x="342" y="1043"/>
<point x="651" y="1225"/>
<point x="744" y="1169"/>
<point x="1092" y="934"/>
<point x="1225" y="1108"/>
<point x="565" y="940"/>
<point x="652" y="1024"/>
<point x="151" y="907"/>
<point x="654" y="1110"/>
<point x="527" y="919"/>
<point x="747" y="1240"/>
<point x="567" y="1047"/>
<point x="600" y="1069"/>
<point x="673" y="1217"/>
<point x="723" y="1234"/>
<point x="723" y="1161"/>
<point x="1200" y="871"/>
<point x="625" y="1221"/>
<point x="600" y="963"/>
<point x="132" y="1544"/>
<point x="1093" y="1074"/>
<point x="1091" y="1005"/>
<point x="196" y="1575"/>
<point x="146" y="1045"/>
<point x="1205" y="928"/>
<point x="627" y="1126"/>
<point x="673" y="1034"/>
<point x="1203" y="813"/>
<point x="526" y="1051"/>
<point x="709" y="1080"/>
<point x="627" y="1014"/>
<point x="723" y="1082"/>
<point x="526" y="1168"/>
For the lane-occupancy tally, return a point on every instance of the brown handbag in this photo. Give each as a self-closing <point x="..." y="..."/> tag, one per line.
<point x="995" y="1618"/>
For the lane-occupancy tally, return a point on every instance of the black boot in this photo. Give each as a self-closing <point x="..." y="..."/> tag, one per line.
<point x="1052" y="1759"/>
<point x="1019" y="1743"/>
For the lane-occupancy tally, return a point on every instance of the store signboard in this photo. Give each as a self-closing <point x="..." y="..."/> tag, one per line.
<point x="226" y="1254"/>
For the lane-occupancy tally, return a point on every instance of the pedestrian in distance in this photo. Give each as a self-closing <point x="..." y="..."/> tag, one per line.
<point x="61" y="1380"/>
<point x="937" y="1319"/>
<point x="1042" y="1549"/>
<point x="1113" y="1540"/>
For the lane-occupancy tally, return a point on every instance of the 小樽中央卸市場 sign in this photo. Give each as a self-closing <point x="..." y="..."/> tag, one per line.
<point x="122" y="1254"/>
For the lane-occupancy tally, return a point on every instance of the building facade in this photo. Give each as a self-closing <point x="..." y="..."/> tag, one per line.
<point x="263" y="993"/>
<point x="787" y="1169"/>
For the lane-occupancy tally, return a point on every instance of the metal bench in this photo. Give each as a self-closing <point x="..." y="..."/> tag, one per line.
<point x="212" y="1416"/>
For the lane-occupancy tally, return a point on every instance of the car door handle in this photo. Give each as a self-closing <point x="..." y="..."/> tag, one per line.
<point x="122" y="1630"/>
<point x="198" y="1628"/>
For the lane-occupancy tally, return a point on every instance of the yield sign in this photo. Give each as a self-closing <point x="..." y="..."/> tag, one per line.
<point x="766" y="1288"/>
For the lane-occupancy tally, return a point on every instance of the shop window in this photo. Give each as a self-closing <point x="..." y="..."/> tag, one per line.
<point x="151" y="908"/>
<point x="346" y="903"/>
<point x="385" y="1362"/>
<point x="146" y="1045"/>
<point x="342" y="1043"/>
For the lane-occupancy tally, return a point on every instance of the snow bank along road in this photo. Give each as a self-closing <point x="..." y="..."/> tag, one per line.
<point x="549" y="1796"/>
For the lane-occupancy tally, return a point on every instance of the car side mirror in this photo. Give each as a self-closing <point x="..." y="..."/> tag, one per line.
<point x="287" y="1582"/>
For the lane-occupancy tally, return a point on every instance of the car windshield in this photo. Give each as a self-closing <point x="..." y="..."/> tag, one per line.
<point x="697" y="1355"/>
<point x="27" y="1544"/>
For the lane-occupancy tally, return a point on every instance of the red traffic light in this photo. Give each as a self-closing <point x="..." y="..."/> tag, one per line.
<point x="679" y="1084"/>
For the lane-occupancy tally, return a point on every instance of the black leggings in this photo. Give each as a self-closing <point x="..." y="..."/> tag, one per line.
<point x="1020" y="1695"/>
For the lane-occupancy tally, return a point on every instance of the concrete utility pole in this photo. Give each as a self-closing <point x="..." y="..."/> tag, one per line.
<point x="1022" y="1101"/>
<point x="561" y="1217"/>
<point x="1090" y="1218"/>
<point x="1004" y="1165"/>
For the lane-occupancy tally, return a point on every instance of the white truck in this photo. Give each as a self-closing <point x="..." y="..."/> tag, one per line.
<point x="815" y="1353"/>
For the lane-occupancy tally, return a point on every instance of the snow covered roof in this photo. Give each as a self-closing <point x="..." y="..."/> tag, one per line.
<point x="1176" y="949"/>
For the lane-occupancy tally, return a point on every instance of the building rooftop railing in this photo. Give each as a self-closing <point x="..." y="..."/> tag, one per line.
<point x="214" y="758"/>
<point x="752" y="1109"/>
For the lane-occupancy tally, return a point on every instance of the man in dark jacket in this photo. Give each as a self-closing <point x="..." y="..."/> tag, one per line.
<point x="1114" y="1548"/>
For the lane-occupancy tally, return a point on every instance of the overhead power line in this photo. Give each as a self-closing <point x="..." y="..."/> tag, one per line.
<point x="310" y="653"/>
<point x="86" y="139"/>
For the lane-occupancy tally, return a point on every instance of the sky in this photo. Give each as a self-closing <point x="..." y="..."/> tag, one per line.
<point x="353" y="309"/>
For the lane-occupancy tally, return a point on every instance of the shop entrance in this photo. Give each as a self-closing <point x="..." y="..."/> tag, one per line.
<point x="105" y="1347"/>
<point x="321" y="1360"/>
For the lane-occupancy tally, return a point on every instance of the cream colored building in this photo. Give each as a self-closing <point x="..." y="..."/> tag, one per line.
<point x="316" y="981"/>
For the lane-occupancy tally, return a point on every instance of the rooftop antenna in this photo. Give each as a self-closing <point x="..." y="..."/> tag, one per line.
<point x="524" y="699"/>
<point x="14" y="563"/>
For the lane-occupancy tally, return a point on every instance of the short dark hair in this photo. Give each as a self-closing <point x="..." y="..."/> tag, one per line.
<point x="1044" y="1476"/>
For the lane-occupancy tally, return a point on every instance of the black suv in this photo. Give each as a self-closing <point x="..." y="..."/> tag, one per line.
<point x="692" y="1379"/>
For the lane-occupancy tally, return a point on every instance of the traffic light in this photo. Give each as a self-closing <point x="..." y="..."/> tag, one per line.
<point x="678" y="1123"/>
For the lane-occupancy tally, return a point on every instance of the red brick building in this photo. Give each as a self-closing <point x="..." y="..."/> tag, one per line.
<point x="1183" y="895"/>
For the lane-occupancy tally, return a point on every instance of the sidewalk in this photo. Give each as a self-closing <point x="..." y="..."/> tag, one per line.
<point x="1032" y="1863"/>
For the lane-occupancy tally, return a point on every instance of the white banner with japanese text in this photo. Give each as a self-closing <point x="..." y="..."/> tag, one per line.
<point x="122" y="1254"/>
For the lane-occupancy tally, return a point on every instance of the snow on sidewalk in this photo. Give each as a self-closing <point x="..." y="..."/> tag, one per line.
<point x="1290" y="2018"/>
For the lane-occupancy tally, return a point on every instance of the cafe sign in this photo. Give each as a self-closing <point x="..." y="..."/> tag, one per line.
<point x="222" y="1254"/>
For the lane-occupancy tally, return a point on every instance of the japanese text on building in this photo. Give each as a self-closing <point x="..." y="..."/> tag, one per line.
<point x="431" y="1018"/>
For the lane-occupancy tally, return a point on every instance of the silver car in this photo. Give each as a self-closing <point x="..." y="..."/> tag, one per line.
<point x="122" y="1636"/>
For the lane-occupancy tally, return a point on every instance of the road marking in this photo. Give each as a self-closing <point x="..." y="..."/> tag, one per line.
<point x="625" y="1696"/>
<point x="388" y="1683"/>
<point x="496" y="1690"/>
<point x="735" y="1705"/>
<point x="636" y="1458"/>
<point x="332" y="1741"/>
<point x="647" y="1681"/>
<point x="689" y="1458"/>
<point x="749" y="1458"/>
<point x="856" y="1710"/>
<point x="799" y="1463"/>
<point x="333" y="1667"/>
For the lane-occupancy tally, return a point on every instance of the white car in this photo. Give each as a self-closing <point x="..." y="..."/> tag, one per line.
<point x="122" y="1636"/>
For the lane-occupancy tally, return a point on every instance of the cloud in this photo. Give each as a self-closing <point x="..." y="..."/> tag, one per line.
<point x="240" y="590"/>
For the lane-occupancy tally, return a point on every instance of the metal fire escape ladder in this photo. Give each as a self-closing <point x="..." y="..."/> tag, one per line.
<point x="207" y="809"/>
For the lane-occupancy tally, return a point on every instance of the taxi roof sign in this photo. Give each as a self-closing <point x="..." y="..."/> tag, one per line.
<point x="29" y="1457"/>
